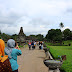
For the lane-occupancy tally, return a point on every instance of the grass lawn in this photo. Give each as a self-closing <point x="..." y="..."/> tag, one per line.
<point x="63" y="50"/>
<point x="23" y="46"/>
<point x="67" y="42"/>
<point x="64" y="43"/>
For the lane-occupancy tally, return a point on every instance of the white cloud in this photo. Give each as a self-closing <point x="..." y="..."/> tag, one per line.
<point x="67" y="28"/>
<point x="42" y="26"/>
<point x="35" y="16"/>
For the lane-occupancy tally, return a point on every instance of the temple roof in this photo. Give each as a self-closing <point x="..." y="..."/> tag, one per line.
<point x="21" y="31"/>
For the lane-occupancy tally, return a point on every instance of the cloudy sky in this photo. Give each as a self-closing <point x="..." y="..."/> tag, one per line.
<point x="35" y="16"/>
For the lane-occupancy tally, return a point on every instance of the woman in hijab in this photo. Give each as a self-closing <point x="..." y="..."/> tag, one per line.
<point x="4" y="61"/>
<point x="13" y="51"/>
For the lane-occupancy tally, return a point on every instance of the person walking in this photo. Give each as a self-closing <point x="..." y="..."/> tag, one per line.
<point x="40" y="45"/>
<point x="5" y="65"/>
<point x="29" y="44"/>
<point x="32" y="45"/>
<point x="13" y="51"/>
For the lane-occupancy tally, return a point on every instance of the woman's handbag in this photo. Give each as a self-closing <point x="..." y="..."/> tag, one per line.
<point x="5" y="66"/>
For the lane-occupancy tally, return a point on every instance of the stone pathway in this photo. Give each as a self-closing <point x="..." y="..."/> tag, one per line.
<point x="32" y="60"/>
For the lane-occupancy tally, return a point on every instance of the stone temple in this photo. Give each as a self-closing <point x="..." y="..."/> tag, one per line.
<point x="21" y="35"/>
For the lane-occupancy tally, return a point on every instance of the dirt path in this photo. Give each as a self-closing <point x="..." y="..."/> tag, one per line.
<point x="32" y="61"/>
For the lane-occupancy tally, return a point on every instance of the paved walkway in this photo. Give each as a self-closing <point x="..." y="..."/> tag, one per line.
<point x="32" y="60"/>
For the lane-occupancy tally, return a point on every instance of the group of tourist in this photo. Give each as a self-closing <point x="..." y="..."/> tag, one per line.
<point x="8" y="56"/>
<point x="33" y="44"/>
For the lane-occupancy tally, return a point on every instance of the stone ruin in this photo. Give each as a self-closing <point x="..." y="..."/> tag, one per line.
<point x="21" y="36"/>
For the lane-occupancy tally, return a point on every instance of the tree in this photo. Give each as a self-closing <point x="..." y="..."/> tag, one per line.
<point x="0" y="32"/>
<point x="51" y="35"/>
<point x="58" y="35"/>
<point x="14" y="36"/>
<point x="67" y="34"/>
<point x="54" y="35"/>
<point x="40" y="37"/>
<point x="71" y="35"/>
<point x="33" y="37"/>
<point x="61" y="25"/>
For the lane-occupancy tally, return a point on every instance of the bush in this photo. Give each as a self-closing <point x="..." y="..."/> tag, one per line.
<point x="69" y="44"/>
<point x="20" y="46"/>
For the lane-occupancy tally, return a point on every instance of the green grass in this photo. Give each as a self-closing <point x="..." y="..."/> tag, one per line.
<point x="63" y="50"/>
<point x="20" y="46"/>
<point x="67" y="42"/>
<point x="23" y="46"/>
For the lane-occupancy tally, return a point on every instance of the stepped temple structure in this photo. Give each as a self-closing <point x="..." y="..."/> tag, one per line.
<point x="21" y="35"/>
